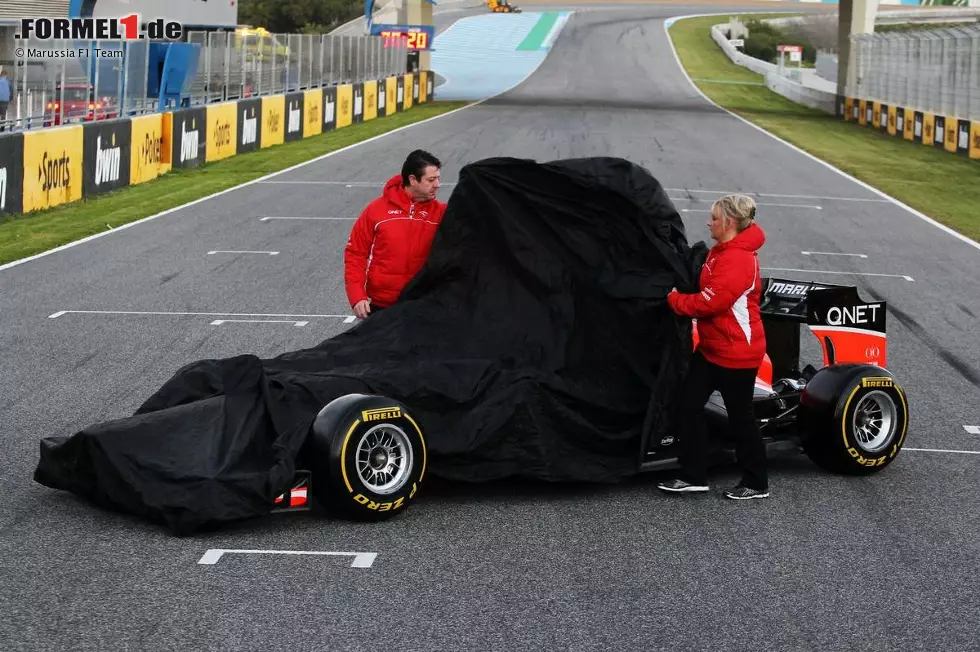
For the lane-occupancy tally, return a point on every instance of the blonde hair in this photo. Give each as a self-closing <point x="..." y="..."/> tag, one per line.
<point x="740" y="208"/>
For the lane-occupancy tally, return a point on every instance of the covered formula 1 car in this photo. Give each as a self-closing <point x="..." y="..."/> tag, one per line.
<point x="850" y="415"/>
<point x="535" y="342"/>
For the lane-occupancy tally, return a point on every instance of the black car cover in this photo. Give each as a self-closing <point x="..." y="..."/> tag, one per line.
<point x="535" y="342"/>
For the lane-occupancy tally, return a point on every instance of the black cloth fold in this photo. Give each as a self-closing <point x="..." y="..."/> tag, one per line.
<point x="536" y="341"/>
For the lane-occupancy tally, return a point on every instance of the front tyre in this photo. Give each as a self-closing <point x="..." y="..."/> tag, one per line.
<point x="368" y="457"/>
<point x="853" y="418"/>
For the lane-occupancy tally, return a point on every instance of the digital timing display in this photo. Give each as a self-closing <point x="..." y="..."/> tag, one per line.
<point x="412" y="37"/>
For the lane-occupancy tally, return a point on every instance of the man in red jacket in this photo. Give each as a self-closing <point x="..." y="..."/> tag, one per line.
<point x="730" y="350"/>
<point x="390" y="240"/>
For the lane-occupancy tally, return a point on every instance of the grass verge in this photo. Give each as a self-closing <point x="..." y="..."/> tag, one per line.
<point x="933" y="181"/>
<point x="33" y="233"/>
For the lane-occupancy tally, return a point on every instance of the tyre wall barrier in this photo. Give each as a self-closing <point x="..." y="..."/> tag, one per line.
<point x="954" y="135"/>
<point x="60" y="165"/>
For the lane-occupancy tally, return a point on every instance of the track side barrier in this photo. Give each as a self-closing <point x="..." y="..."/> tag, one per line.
<point x="955" y="135"/>
<point x="61" y="165"/>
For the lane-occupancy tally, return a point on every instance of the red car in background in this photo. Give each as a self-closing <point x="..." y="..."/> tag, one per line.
<point x="77" y="103"/>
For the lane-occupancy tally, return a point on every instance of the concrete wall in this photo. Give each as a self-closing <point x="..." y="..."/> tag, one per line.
<point x="788" y="88"/>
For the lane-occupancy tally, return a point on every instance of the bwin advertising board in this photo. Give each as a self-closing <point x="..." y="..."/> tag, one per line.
<point x="106" y="152"/>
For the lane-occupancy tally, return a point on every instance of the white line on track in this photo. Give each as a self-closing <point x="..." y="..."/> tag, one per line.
<point x="348" y="184"/>
<point x="267" y="253"/>
<point x="825" y="271"/>
<point x="380" y="184"/>
<point x="187" y="314"/>
<point x="973" y="430"/>
<point x="219" y="322"/>
<point x="266" y="219"/>
<point x="831" y="253"/>
<point x="939" y="450"/>
<point x="815" y="207"/>
<point x="361" y="559"/>
<point x="773" y="194"/>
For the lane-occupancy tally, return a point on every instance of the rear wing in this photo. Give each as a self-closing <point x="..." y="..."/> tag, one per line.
<point x="848" y="328"/>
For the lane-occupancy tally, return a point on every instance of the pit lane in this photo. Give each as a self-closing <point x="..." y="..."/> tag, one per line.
<point x="513" y="565"/>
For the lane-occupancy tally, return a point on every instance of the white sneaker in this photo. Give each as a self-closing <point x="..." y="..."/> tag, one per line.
<point x="679" y="486"/>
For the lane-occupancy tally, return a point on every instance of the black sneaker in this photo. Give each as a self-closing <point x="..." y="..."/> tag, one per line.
<point x="679" y="486"/>
<point x="744" y="493"/>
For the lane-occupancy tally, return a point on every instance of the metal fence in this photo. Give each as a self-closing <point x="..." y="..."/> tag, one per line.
<point x="936" y="70"/>
<point x="62" y="82"/>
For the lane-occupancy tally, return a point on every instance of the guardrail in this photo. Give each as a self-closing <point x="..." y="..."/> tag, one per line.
<point x="49" y="167"/>
<point x="109" y="79"/>
<point x="802" y="94"/>
<point x="788" y="88"/>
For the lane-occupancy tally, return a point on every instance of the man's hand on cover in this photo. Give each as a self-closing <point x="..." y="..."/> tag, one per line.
<point x="362" y="309"/>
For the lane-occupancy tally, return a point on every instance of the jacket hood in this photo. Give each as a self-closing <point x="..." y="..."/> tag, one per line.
<point x="751" y="239"/>
<point x="395" y="192"/>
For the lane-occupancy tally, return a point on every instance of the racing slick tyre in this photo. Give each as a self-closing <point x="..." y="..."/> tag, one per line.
<point x="853" y="418"/>
<point x="367" y="457"/>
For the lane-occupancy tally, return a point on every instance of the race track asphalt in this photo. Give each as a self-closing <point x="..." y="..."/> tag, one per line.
<point x="829" y="563"/>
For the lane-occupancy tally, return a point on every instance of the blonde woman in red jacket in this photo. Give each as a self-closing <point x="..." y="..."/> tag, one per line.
<point x="731" y="346"/>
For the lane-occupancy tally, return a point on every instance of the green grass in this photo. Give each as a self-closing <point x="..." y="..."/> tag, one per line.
<point x="937" y="183"/>
<point x="33" y="233"/>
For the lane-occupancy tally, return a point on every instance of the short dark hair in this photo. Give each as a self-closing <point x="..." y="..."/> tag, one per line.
<point x="416" y="163"/>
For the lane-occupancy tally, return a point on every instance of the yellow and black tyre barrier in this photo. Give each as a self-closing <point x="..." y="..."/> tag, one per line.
<point x="955" y="135"/>
<point x="59" y="165"/>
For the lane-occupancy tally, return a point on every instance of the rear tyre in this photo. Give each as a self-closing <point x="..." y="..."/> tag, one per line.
<point x="367" y="456"/>
<point x="853" y="418"/>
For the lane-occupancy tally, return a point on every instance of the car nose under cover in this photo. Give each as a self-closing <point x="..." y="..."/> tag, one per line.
<point x="535" y="342"/>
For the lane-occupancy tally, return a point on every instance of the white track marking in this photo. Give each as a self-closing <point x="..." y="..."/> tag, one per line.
<point x="347" y="184"/>
<point x="187" y="314"/>
<point x="361" y="559"/>
<point x="912" y="211"/>
<point x="825" y="271"/>
<point x="267" y="253"/>
<point x="346" y="219"/>
<point x="819" y="208"/>
<point x="939" y="450"/>
<point x="219" y="322"/>
<point x="831" y="253"/>
<point x="773" y="194"/>
<point x="350" y="319"/>
<point x="973" y="430"/>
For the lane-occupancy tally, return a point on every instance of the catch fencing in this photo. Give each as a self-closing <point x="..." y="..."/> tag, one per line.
<point x="934" y="71"/>
<point x="65" y="82"/>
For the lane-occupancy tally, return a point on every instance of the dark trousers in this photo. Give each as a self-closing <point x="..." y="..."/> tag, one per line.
<point x="737" y="388"/>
